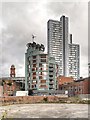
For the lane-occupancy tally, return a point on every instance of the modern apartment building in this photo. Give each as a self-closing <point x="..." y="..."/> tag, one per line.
<point x="74" y="59"/>
<point x="57" y="33"/>
<point x="66" y="55"/>
<point x="64" y="39"/>
<point x="88" y="69"/>
<point x="40" y="69"/>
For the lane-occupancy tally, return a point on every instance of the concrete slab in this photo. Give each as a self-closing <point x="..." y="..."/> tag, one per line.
<point x="45" y="111"/>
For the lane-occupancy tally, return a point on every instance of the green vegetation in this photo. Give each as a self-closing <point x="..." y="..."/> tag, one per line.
<point x="45" y="99"/>
<point x="4" y="115"/>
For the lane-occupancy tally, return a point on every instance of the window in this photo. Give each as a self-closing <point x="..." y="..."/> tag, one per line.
<point x="34" y="57"/>
<point x="79" y="89"/>
<point x="34" y="73"/>
<point x="61" y="88"/>
<point x="43" y="86"/>
<point x="43" y="81"/>
<point x="34" y="61"/>
<point x="40" y="65"/>
<point x="34" y="65"/>
<point x="33" y="69"/>
<point x="43" y="60"/>
<point x="43" y="56"/>
<point x="40" y="77"/>
<point x="50" y="75"/>
<point x="34" y="77"/>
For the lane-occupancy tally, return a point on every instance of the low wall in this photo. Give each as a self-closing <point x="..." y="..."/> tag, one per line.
<point x="84" y="96"/>
<point x="30" y="99"/>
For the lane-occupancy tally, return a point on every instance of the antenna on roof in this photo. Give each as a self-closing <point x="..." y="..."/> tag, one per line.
<point x="33" y="37"/>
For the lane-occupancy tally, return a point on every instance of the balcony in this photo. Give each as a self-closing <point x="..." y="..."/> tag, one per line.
<point x="51" y="69"/>
<point x="34" y="57"/>
<point x="51" y="82"/>
<point x="40" y="77"/>
<point x="42" y="86"/>
<point x="51" y="87"/>
<point x="51" y="74"/>
<point x="43" y="82"/>
<point x="34" y="61"/>
<point x="34" y="65"/>
<point x="43" y="60"/>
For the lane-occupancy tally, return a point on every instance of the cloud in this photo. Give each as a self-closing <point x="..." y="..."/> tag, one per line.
<point x="89" y="31"/>
<point x="22" y="19"/>
<point x="78" y="25"/>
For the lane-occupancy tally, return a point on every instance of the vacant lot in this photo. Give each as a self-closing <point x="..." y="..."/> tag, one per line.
<point x="45" y="111"/>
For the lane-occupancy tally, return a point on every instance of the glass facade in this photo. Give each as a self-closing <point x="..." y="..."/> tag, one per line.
<point x="74" y="61"/>
<point x="58" y="43"/>
<point x="66" y="55"/>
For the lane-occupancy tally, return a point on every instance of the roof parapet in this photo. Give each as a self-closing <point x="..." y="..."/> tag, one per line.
<point x="36" y="46"/>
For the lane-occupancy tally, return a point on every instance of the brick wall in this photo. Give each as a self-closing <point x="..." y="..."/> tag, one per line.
<point x="29" y="99"/>
<point x="1" y="91"/>
<point x="64" y="80"/>
<point x="10" y="87"/>
<point x="86" y="88"/>
<point x="78" y="87"/>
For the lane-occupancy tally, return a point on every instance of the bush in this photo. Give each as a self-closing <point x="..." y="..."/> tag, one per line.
<point x="45" y="99"/>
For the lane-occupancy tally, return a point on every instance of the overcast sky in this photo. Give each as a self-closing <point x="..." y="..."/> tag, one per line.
<point x="19" y="20"/>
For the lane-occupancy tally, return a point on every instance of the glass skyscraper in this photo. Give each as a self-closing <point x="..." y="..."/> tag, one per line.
<point x="57" y="32"/>
<point x="59" y="47"/>
<point x="74" y="58"/>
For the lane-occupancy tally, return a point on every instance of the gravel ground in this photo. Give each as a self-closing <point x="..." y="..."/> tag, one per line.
<point x="44" y="111"/>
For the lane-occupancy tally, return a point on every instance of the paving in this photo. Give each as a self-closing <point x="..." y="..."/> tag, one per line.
<point x="44" y="111"/>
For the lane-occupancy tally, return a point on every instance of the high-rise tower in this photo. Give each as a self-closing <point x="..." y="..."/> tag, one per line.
<point x="40" y="69"/>
<point x="74" y="59"/>
<point x="64" y="39"/>
<point x="88" y="69"/>
<point x="66" y="54"/>
<point x="57" y="32"/>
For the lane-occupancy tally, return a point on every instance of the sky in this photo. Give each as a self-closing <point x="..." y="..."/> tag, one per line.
<point x="20" y="19"/>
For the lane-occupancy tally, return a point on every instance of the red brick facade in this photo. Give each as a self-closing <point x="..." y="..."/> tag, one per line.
<point x="10" y="87"/>
<point x="64" y="83"/>
<point x="77" y="87"/>
<point x="64" y="80"/>
<point x="12" y="71"/>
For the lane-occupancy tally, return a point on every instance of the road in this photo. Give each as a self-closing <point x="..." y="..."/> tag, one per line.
<point x="44" y="111"/>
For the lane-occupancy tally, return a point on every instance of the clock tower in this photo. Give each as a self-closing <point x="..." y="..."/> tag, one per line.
<point x="12" y="71"/>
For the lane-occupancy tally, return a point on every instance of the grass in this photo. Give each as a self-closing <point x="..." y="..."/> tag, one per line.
<point x="4" y="115"/>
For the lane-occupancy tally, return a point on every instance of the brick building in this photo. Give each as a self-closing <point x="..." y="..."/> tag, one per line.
<point x="1" y="91"/>
<point x="9" y="85"/>
<point x="12" y="84"/>
<point x="82" y="86"/>
<point x="78" y="87"/>
<point x="64" y="80"/>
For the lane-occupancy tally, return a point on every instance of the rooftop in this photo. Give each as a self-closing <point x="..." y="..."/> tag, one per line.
<point x="36" y="46"/>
